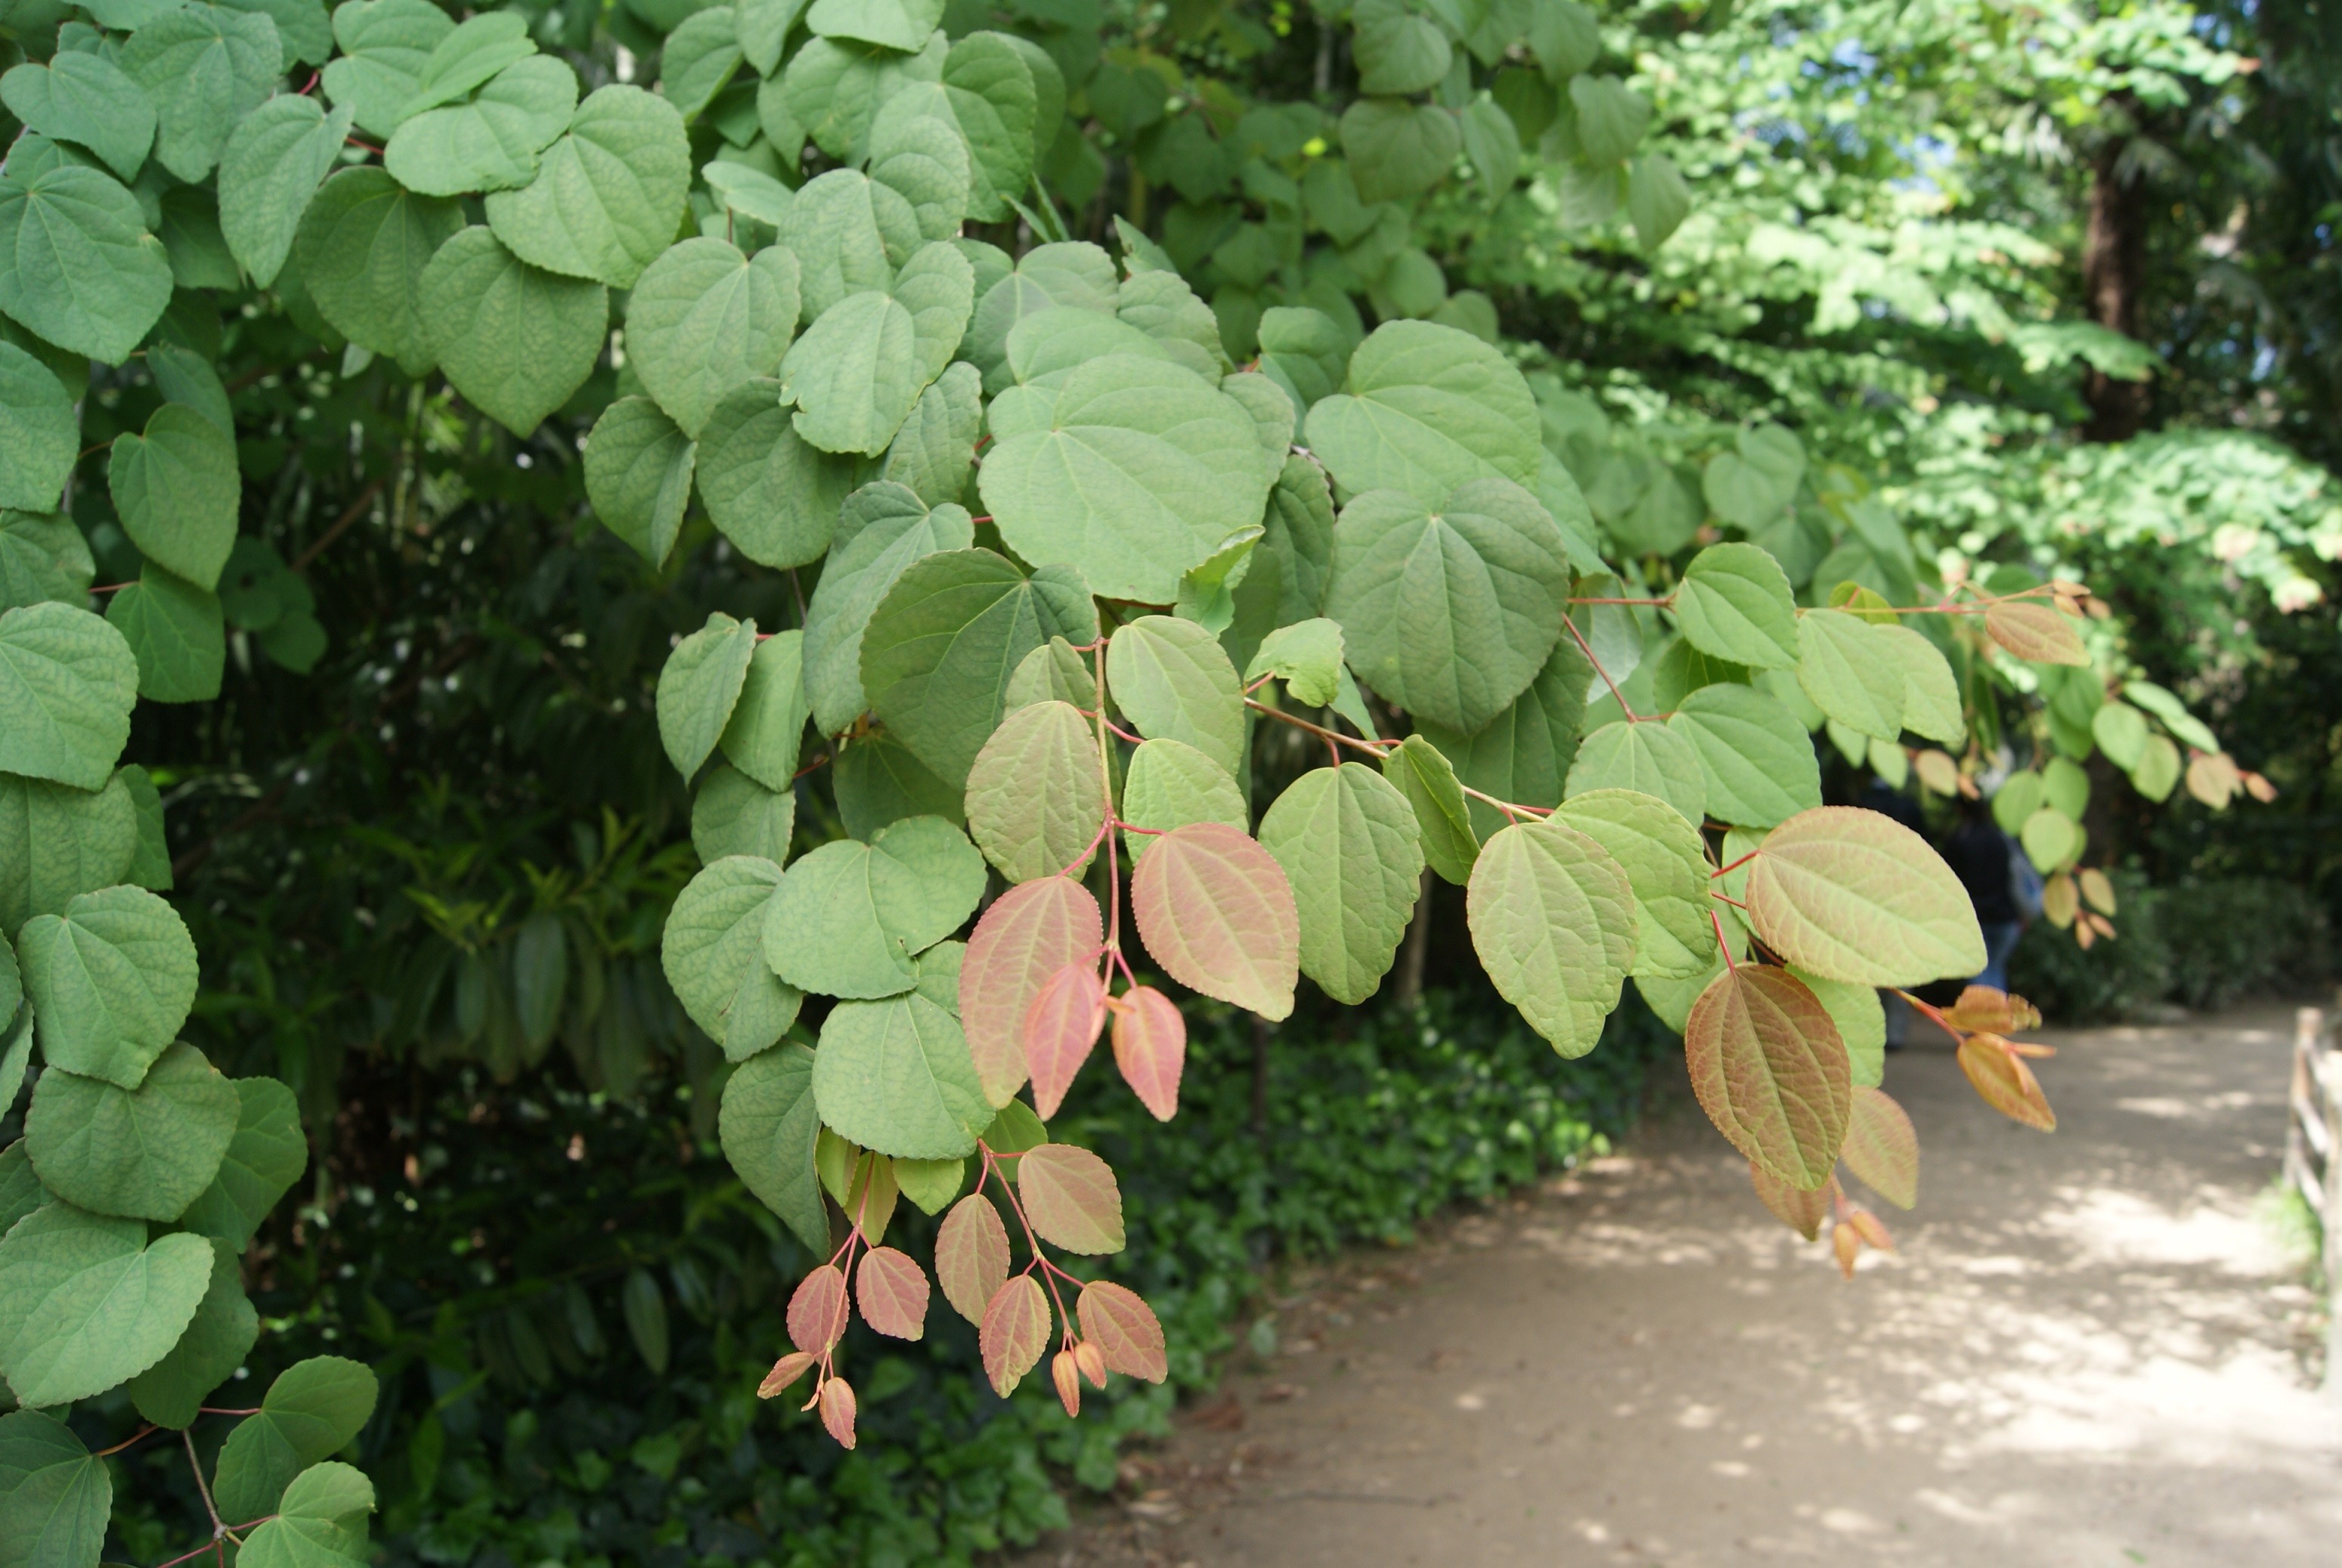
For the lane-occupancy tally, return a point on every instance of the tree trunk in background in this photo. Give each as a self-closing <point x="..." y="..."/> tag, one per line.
<point x="2114" y="267"/>
<point x="1261" y="1030"/>
<point x="1407" y="989"/>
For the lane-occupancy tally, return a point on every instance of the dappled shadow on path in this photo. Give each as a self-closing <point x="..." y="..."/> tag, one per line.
<point x="2084" y="1353"/>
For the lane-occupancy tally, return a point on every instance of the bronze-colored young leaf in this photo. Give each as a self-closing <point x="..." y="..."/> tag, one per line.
<point x="2060" y="900"/>
<point x="1013" y="1333"/>
<point x="818" y="1310"/>
<point x="1030" y="932"/>
<point x="1871" y="1229"/>
<point x="1035" y="797"/>
<point x="837" y="1410"/>
<point x="1071" y="1198"/>
<point x="1882" y="1149"/>
<point x="1801" y="1209"/>
<point x="892" y="1292"/>
<point x="2098" y="890"/>
<point x="1125" y="1329"/>
<point x="1845" y="1244"/>
<point x="1061" y="1027"/>
<point x="2006" y="1083"/>
<point x="1855" y="895"/>
<point x="1150" y="1047"/>
<point x="1994" y="1012"/>
<point x="2213" y="778"/>
<point x="1216" y="913"/>
<point x="1090" y="1358"/>
<point x="786" y="1371"/>
<point x="971" y="1255"/>
<point x="1771" y="1072"/>
<point x="2036" y="631"/>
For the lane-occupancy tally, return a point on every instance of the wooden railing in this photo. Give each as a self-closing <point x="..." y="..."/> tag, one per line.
<point x="2313" y="1155"/>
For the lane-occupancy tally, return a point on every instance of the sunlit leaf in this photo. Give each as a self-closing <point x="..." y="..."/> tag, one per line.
<point x="1029" y="934"/>
<point x="1854" y="895"/>
<point x="1015" y="1330"/>
<point x="1124" y="1328"/>
<point x="971" y="1256"/>
<point x="1150" y="1048"/>
<point x="1071" y="1197"/>
<point x="1553" y="918"/>
<point x="1881" y="1149"/>
<point x="892" y="1292"/>
<point x="1771" y="1072"/>
<point x="1216" y="912"/>
<point x="1060" y="1026"/>
<point x="1348" y="842"/>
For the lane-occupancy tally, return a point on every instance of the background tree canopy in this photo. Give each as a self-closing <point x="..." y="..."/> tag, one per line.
<point x="409" y="390"/>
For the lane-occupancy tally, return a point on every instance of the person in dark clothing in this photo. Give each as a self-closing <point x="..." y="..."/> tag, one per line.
<point x="1978" y="853"/>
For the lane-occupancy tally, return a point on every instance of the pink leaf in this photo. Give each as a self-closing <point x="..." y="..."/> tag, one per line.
<point x="1150" y="1046"/>
<point x="1068" y="1376"/>
<point x="893" y="1293"/>
<point x="1015" y="1332"/>
<point x="1124" y="1328"/>
<point x="1091" y="1360"/>
<point x="1071" y="1198"/>
<point x="1029" y="934"/>
<point x="786" y="1371"/>
<point x="837" y="1409"/>
<point x="817" y="1312"/>
<point x="1061" y="1025"/>
<point x="1218" y="913"/>
<point x="971" y="1255"/>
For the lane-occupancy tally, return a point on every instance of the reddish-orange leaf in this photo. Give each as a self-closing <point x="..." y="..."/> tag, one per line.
<point x="971" y="1255"/>
<point x="837" y="1409"/>
<point x="1871" y="1229"/>
<point x="2260" y="788"/>
<point x="2213" y="778"/>
<point x="2006" y="1083"/>
<point x="1029" y="934"/>
<point x="2100" y="924"/>
<point x="1998" y="1011"/>
<point x="1061" y="1027"/>
<point x="1881" y="1147"/>
<point x="1218" y="913"/>
<point x="1015" y="1332"/>
<point x="893" y="1293"/>
<point x="1091" y="1360"/>
<point x="1802" y="1210"/>
<point x="2029" y="1048"/>
<point x="1150" y="1046"/>
<point x="2035" y="631"/>
<point x="1128" y="1336"/>
<point x="1068" y="1376"/>
<point x="2085" y="934"/>
<point x="1847" y="1242"/>
<point x="1771" y="1072"/>
<point x="786" y="1371"/>
<point x="817" y="1312"/>
<point x="1071" y="1198"/>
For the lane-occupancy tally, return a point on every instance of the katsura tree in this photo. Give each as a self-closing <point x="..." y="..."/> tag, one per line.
<point x="1068" y="530"/>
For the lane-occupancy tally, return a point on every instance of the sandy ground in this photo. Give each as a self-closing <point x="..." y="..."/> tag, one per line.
<point x="2091" y="1349"/>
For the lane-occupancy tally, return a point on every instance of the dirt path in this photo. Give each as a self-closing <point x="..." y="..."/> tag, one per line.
<point x="2087" y="1352"/>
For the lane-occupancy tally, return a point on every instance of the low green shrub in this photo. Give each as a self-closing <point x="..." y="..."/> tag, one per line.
<point x="2200" y="945"/>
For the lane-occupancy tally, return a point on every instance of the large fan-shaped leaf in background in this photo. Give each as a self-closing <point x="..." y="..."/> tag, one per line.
<point x="1450" y="614"/>
<point x="1771" y="1072"/>
<point x="943" y="643"/>
<point x="1028" y="934"/>
<point x="1218" y="912"/>
<point x="361" y="250"/>
<point x="1145" y="468"/>
<point x="1645" y="756"/>
<point x="489" y="142"/>
<point x="67" y="683"/>
<point x="57" y="843"/>
<point x="925" y="162"/>
<point x="713" y="953"/>
<point x="858" y="371"/>
<point x="1524" y="754"/>
<point x="1036" y="795"/>
<point x="849" y="916"/>
<point x="639" y="471"/>
<point x="205" y="67"/>
<point x="1396" y="148"/>
<point x="514" y="339"/>
<point x="1553" y="918"/>
<point x="1426" y="408"/>
<point x="1173" y="681"/>
<point x="1854" y="895"/>
<point x="704" y="319"/>
<point x="76" y="263"/>
<point x="84" y="1303"/>
<point x="1758" y="759"/>
<point x="1734" y="604"/>
<point x="85" y="98"/>
<point x="112" y="978"/>
<point x="769" y="491"/>
<point x="1667" y="866"/>
<point x="881" y="531"/>
<point x="269" y="171"/>
<point x="264" y="1160"/>
<point x="608" y="194"/>
<point x="385" y="45"/>
<point x="144" y="1153"/>
<point x="896" y="1077"/>
<point x="768" y="1126"/>
<point x="1347" y="841"/>
<point x="1849" y="671"/>
<point x="1397" y="51"/>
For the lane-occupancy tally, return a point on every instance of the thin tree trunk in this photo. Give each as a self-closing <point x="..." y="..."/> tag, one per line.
<point x="2114" y="268"/>
<point x="1407" y="989"/>
<point x="1261" y="1032"/>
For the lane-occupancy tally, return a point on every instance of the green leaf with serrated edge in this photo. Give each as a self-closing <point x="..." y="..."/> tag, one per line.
<point x="698" y="687"/>
<point x="1451" y="613"/>
<point x="879" y="782"/>
<point x="849" y="916"/>
<point x="995" y="104"/>
<point x="516" y="341"/>
<point x="205" y="67"/>
<point x="361" y="250"/>
<point x="12" y="996"/>
<point x="896" y="1077"/>
<point x="1734" y="604"/>
<point x="939" y="970"/>
<point x="764" y="25"/>
<point x="1854" y="895"/>
<point x="321" y="1523"/>
<point x="1305" y="351"/>
<point x="1217" y="912"/>
<point x="942" y="644"/>
<point x="1443" y="822"/>
<point x="55" y="1496"/>
<point x="834" y="90"/>
<point x="882" y="529"/>
<point x="1757" y="760"/>
<point x="1396" y="148"/>
<point x="1771" y="1072"/>
<point x="1426" y="409"/>
<point x="312" y="1410"/>
<point x="217" y="1338"/>
<point x="767" y="729"/>
<point x="2121" y="733"/>
<point x="1307" y="655"/>
<point x="176" y="489"/>
<point x="858" y="371"/>
<point x="1667" y="866"/>
<point x="931" y="1184"/>
<point x="1610" y="117"/>
<point x="20" y="1190"/>
<point x="608" y="194"/>
<point x="269" y="171"/>
<point x="480" y="48"/>
<point x="924" y="160"/>
<point x="935" y="450"/>
<point x="1173" y="681"/>
<point x="1931" y="696"/>
<point x="1162" y="306"/>
<point x="1207" y="590"/>
<point x="1142" y="470"/>
<point x="1045" y="346"/>
<point x="2158" y="770"/>
<point x="770" y="492"/>
<point x="1027" y="935"/>
<point x="57" y="843"/>
<point x="1524" y="755"/>
<point x="849" y="234"/>
<point x="699" y="58"/>
<point x="1074" y="274"/>
<point x="76" y="263"/>
<point x="2185" y="727"/>
<point x="1347" y="841"/>
<point x="713" y="953"/>
<point x="84" y="1303"/>
<point x="1051" y="673"/>
<point x="638" y="470"/>
<point x="85" y="98"/>
<point x="734" y="814"/>
<point x="42" y="558"/>
<point x="67" y="683"/>
<point x="1493" y="143"/>
<point x="489" y="142"/>
<point x="150" y="862"/>
<point x="142" y="1154"/>
<point x="384" y="45"/>
<point x="1553" y="918"/>
<point x="1274" y="417"/>
<point x="1861" y="1021"/>
<point x="1645" y="756"/>
<point x="111" y="979"/>
<point x="263" y="1161"/>
<point x="705" y="319"/>
<point x="1849" y="672"/>
<point x="903" y="25"/>
<point x="767" y="1126"/>
<point x="1171" y="784"/>
<point x="1035" y="794"/>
